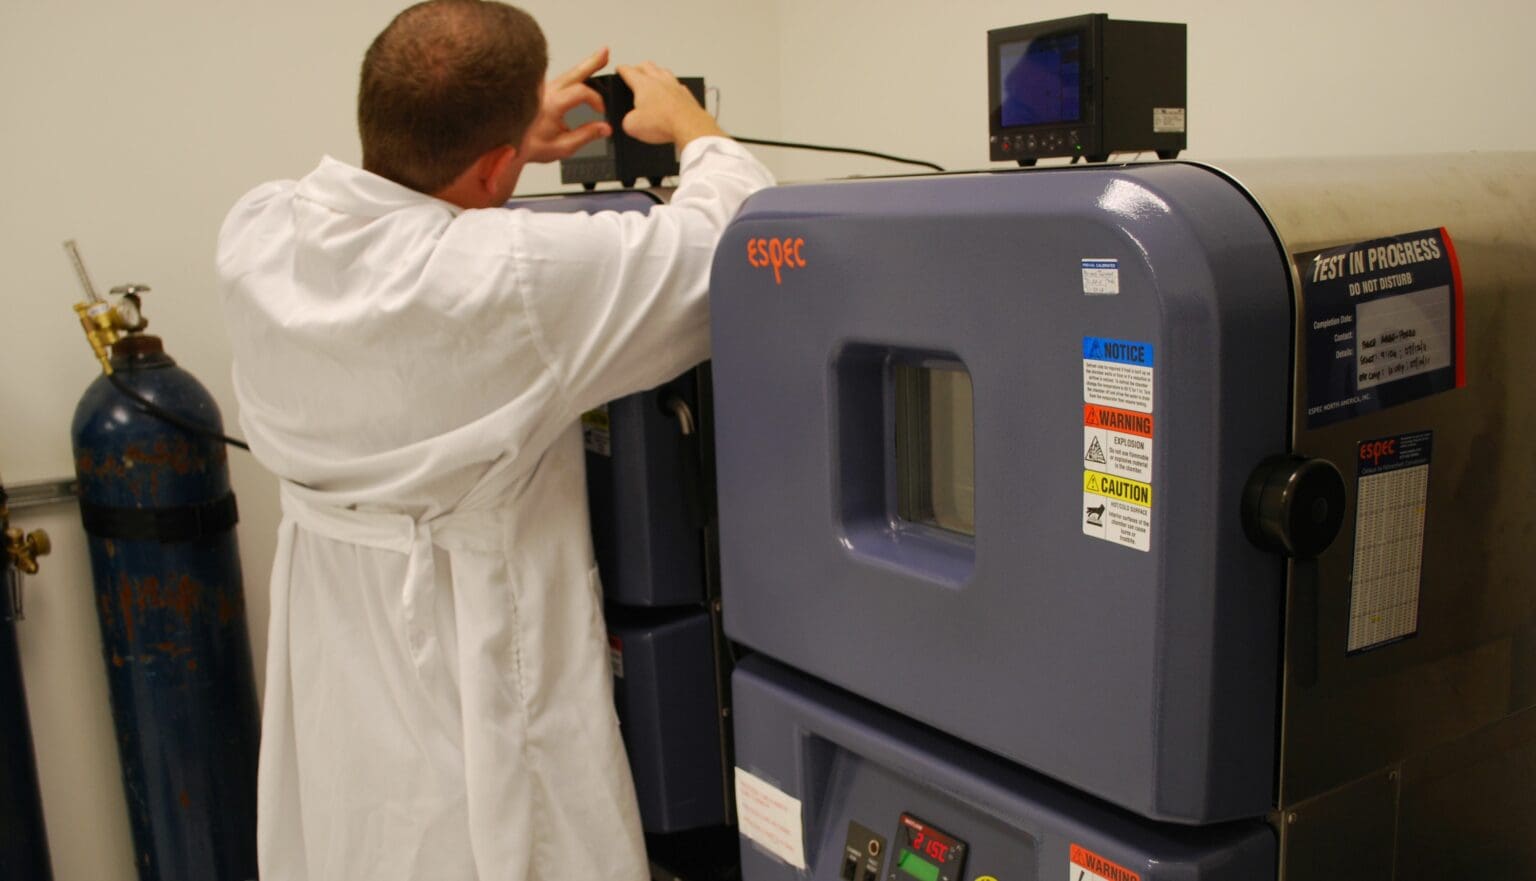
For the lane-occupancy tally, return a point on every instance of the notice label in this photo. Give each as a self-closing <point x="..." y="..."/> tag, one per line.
<point x="1167" y="120"/>
<point x="596" y="434"/>
<point x="1101" y="275"/>
<point x="1085" y="865"/>
<point x="770" y="817"/>
<point x="1391" y="496"/>
<point x="1117" y="373"/>
<point x="1385" y="324"/>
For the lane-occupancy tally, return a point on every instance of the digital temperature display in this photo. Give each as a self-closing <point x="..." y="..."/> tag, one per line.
<point x="924" y="853"/>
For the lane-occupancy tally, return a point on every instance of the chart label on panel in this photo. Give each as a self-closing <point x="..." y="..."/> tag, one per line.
<point x="1385" y="324"/>
<point x="1085" y="865"/>
<point x="1392" y="495"/>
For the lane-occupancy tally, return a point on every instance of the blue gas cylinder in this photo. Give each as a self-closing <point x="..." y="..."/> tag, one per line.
<point x="159" y="520"/>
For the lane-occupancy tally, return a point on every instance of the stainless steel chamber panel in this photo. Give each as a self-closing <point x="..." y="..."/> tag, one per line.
<point x="1410" y="664"/>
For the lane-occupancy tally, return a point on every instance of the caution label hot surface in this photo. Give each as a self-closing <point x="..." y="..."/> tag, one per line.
<point x="1117" y="509"/>
<point x="1110" y="486"/>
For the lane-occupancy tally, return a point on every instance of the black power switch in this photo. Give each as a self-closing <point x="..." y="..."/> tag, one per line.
<point x="863" y="854"/>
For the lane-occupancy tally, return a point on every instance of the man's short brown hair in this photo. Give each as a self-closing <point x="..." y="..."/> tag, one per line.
<point x="446" y="82"/>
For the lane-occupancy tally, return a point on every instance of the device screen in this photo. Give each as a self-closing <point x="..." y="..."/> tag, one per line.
<point x="580" y="115"/>
<point x="1041" y="80"/>
<point x="924" y="853"/>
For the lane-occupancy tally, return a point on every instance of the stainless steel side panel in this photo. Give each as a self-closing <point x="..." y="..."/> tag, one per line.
<point x="1429" y="733"/>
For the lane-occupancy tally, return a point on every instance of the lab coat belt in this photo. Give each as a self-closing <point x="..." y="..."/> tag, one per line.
<point x="401" y="534"/>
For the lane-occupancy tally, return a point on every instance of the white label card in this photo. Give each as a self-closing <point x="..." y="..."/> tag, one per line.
<point x="770" y="817"/>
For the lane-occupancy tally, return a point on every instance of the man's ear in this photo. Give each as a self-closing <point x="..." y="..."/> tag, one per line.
<point x="492" y="168"/>
<point x="481" y="184"/>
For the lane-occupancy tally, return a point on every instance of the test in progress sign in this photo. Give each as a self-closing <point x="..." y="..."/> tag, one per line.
<point x="1384" y="324"/>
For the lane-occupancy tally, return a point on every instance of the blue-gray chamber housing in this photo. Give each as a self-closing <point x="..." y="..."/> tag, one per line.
<point x="908" y="500"/>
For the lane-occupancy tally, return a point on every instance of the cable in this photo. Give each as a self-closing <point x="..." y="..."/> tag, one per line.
<point x="716" y="90"/>
<point x="161" y="413"/>
<point x="849" y="150"/>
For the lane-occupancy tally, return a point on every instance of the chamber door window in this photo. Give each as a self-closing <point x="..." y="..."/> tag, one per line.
<point x="935" y="444"/>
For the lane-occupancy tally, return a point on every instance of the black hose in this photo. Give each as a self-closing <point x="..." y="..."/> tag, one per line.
<point x="852" y="151"/>
<point x="165" y="415"/>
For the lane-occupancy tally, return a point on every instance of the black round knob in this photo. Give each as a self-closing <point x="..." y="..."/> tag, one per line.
<point x="1294" y="506"/>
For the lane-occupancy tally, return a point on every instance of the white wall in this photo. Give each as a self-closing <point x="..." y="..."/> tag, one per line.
<point x="133" y="126"/>
<point x="1294" y="78"/>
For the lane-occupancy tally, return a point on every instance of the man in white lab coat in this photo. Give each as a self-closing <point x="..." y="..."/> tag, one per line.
<point x="411" y="360"/>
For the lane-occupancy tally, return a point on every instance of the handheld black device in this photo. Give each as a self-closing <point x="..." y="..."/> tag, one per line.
<point x="1086" y="86"/>
<point x="620" y="157"/>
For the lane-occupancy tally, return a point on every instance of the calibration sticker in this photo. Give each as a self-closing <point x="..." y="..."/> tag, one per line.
<point x="1101" y="275"/>
<point x="1392" y="493"/>
<point x="1117" y="441"/>
<point x="1385" y="324"/>
<point x="1085" y="865"/>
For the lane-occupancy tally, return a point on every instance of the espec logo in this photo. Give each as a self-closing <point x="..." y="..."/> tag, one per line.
<point x="781" y="254"/>
<point x="1375" y="451"/>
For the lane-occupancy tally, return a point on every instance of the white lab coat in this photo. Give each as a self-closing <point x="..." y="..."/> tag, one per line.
<point x="438" y="698"/>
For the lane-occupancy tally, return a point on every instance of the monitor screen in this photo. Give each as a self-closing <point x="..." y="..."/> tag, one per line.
<point x="1041" y="80"/>
<point x="580" y="115"/>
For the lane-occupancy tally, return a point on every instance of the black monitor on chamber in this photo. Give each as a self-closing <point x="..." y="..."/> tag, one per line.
<point x="1086" y="86"/>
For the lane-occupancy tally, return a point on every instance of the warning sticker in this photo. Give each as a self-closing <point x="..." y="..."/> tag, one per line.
<point x="1101" y="275"/>
<point x="1117" y="442"/>
<point x="770" y="817"/>
<point x="616" y="656"/>
<point x="1391" y="493"/>
<point x="596" y="433"/>
<point x="1085" y="865"/>
<point x="1385" y="324"/>
<point x="1117" y="373"/>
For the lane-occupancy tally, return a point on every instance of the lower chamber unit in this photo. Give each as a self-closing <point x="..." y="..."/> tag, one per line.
<point x="885" y="799"/>
<point x="664" y="687"/>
